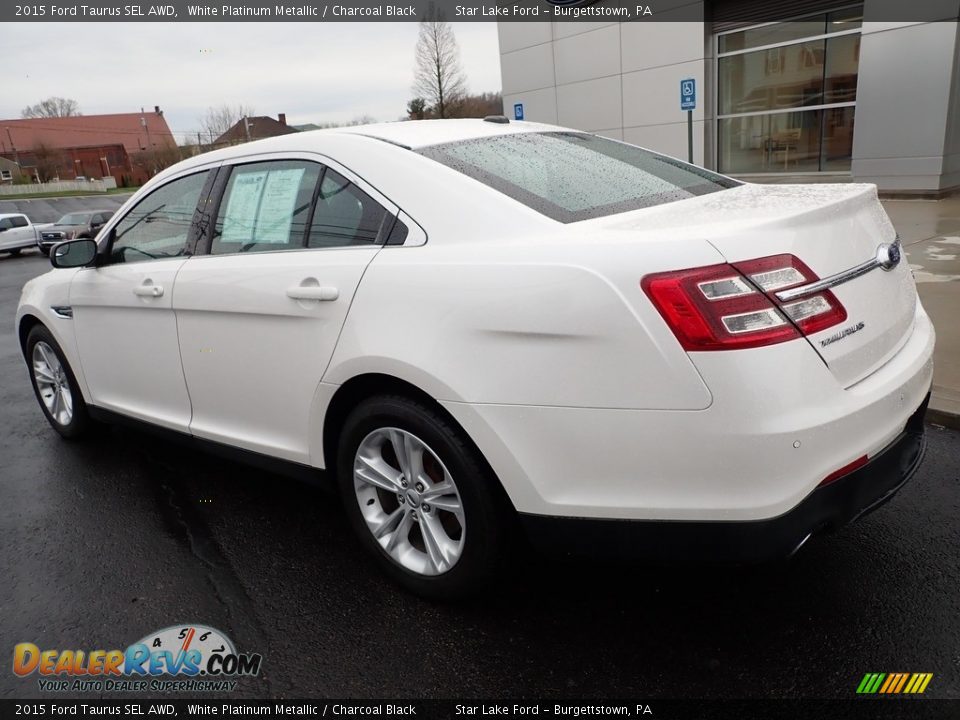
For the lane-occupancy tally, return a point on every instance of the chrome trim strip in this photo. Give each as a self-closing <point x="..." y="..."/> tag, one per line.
<point x="887" y="258"/>
<point x="828" y="282"/>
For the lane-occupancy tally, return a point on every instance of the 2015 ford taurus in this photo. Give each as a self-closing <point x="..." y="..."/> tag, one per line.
<point x="473" y="323"/>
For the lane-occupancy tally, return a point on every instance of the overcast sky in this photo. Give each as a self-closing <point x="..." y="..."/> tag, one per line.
<point x="314" y="72"/>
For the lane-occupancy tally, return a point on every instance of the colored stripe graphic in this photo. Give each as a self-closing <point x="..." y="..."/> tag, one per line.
<point x="894" y="683"/>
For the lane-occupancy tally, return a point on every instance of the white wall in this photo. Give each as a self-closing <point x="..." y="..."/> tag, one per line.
<point x="618" y="80"/>
<point x="905" y="89"/>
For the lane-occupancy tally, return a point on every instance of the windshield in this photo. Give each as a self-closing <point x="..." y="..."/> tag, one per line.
<point x="571" y="176"/>
<point x="74" y="219"/>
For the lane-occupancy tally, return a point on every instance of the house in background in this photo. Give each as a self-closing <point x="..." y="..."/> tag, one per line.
<point x="9" y="171"/>
<point x="123" y="145"/>
<point x="255" y="128"/>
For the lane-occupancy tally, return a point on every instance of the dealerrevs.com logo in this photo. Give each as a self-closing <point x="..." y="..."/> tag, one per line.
<point x="180" y="658"/>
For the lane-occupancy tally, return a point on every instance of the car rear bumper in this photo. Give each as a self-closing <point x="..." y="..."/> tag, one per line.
<point x="743" y="542"/>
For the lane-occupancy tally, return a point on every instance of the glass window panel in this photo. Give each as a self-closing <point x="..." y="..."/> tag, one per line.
<point x="344" y="215"/>
<point x="842" y="62"/>
<point x="837" y="147"/>
<point x="783" y="77"/>
<point x="571" y="176"/>
<point x="265" y="207"/>
<point x="159" y="225"/>
<point x="782" y="142"/>
<point x="771" y="34"/>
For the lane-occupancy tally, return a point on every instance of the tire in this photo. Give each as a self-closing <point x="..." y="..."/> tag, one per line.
<point x="14" y="252"/>
<point x="57" y="391"/>
<point x="467" y="548"/>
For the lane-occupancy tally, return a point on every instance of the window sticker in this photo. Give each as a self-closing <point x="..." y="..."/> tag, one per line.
<point x="275" y="217"/>
<point x="240" y="218"/>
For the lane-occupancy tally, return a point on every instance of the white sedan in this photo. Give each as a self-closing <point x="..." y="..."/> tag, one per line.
<point x="475" y="326"/>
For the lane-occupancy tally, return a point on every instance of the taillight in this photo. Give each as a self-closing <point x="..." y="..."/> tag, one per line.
<point x="729" y="307"/>
<point x="845" y="470"/>
<point x="782" y="272"/>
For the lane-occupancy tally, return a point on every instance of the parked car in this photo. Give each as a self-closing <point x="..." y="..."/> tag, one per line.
<point x="17" y="233"/>
<point x="476" y="325"/>
<point x="74" y="225"/>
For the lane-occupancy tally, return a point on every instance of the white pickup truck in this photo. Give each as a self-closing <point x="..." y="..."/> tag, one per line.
<point x="18" y="233"/>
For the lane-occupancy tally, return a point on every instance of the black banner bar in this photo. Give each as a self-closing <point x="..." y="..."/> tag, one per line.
<point x="454" y="10"/>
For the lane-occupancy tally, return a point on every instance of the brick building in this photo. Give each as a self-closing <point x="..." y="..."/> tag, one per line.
<point x="128" y="146"/>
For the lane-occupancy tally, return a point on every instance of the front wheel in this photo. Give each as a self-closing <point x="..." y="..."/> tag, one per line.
<point x="54" y="384"/>
<point x="420" y="498"/>
<point x="14" y="252"/>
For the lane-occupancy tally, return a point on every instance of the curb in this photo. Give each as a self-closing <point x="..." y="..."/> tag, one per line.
<point x="943" y="418"/>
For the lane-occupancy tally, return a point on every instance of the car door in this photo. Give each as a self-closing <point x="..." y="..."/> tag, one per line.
<point x="259" y="315"/>
<point x="15" y="232"/>
<point x="8" y="238"/>
<point x="125" y="326"/>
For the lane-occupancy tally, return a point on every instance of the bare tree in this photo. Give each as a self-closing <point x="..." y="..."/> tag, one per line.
<point x="52" y="107"/>
<point x="47" y="161"/>
<point x="361" y="120"/>
<point x="438" y="77"/>
<point x="220" y="119"/>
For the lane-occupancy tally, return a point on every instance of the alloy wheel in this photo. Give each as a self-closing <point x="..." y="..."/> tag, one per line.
<point x="409" y="501"/>
<point x="52" y="383"/>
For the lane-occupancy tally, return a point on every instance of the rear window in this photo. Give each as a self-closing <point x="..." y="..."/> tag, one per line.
<point x="570" y="176"/>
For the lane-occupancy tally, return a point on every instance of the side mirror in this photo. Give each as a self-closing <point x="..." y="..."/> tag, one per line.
<point x="74" y="254"/>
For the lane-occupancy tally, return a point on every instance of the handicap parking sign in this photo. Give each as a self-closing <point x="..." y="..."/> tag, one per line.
<point x="688" y="94"/>
<point x="518" y="111"/>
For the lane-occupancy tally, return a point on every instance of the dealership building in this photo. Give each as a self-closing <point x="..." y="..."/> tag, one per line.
<point x="836" y="92"/>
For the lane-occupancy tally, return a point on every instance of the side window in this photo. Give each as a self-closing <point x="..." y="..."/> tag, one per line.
<point x="18" y="221"/>
<point x="159" y="225"/>
<point x="265" y="207"/>
<point x="5" y="223"/>
<point x="398" y="235"/>
<point x="344" y="215"/>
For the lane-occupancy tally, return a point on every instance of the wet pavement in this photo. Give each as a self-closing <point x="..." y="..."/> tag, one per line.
<point x="106" y="540"/>
<point x="930" y="231"/>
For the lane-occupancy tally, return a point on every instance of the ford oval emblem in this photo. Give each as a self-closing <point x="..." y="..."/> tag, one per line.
<point x="888" y="256"/>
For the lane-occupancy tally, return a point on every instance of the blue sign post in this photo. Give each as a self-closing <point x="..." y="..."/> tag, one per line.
<point x="688" y="102"/>
<point x="688" y="94"/>
<point x="518" y="111"/>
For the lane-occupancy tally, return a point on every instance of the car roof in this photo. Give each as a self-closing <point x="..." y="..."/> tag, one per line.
<point x="423" y="133"/>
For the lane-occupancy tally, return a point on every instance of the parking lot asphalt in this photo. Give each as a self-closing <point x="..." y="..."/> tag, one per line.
<point x="106" y="540"/>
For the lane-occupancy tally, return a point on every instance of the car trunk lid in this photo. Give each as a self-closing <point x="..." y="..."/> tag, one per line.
<point x="831" y="228"/>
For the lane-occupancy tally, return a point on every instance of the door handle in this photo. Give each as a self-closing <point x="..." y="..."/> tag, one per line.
<point x="313" y="292"/>
<point x="148" y="290"/>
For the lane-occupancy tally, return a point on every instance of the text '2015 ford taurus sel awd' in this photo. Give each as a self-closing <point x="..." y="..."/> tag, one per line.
<point x="476" y="325"/>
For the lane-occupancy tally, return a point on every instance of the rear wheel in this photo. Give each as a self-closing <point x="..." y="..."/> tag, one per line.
<point x="54" y="384"/>
<point x="420" y="498"/>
